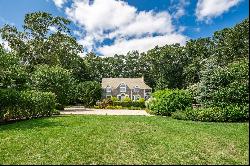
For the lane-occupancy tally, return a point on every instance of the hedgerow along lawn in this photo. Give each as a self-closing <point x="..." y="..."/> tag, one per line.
<point x="122" y="140"/>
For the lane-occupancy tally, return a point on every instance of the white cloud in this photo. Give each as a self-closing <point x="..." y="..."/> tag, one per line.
<point x="208" y="9"/>
<point x="142" y="45"/>
<point x="121" y="23"/>
<point x="179" y="8"/>
<point x="59" y="3"/>
<point x="146" y="23"/>
<point x="101" y="15"/>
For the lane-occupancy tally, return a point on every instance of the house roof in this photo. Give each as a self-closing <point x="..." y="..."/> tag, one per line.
<point x="130" y="82"/>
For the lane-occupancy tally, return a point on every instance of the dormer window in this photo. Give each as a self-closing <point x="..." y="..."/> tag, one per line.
<point x="122" y="87"/>
<point x="108" y="89"/>
<point x="136" y="88"/>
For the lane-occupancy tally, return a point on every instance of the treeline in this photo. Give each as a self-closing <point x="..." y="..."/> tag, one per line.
<point x="214" y="69"/>
<point x="175" y="66"/>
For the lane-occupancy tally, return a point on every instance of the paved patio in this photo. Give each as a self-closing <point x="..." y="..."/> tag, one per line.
<point x="90" y="111"/>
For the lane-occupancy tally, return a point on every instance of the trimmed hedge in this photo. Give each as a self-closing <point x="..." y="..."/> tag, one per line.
<point x="25" y="104"/>
<point x="164" y="102"/>
<point x="129" y="104"/>
<point x="108" y="103"/>
<point x="231" y="113"/>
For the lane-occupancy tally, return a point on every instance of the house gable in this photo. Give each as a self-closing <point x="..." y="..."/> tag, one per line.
<point x="131" y="87"/>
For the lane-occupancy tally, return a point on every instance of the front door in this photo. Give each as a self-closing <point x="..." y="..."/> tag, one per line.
<point x="122" y="96"/>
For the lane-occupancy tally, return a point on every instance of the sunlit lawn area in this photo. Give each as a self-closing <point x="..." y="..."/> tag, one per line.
<point x="122" y="140"/>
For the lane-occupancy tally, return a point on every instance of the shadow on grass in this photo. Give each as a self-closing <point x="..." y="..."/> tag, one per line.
<point x="34" y="123"/>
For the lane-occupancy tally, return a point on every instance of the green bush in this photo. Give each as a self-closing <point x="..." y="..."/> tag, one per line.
<point x="134" y="108"/>
<point x="141" y="100"/>
<point x="56" y="80"/>
<point x="114" y="99"/>
<point x="118" y="107"/>
<point x="109" y="104"/>
<point x="88" y="93"/>
<point x="126" y="99"/>
<point x="129" y="104"/>
<point x="164" y="102"/>
<point x="231" y="113"/>
<point x="12" y="73"/>
<point x="96" y="107"/>
<point x="25" y="104"/>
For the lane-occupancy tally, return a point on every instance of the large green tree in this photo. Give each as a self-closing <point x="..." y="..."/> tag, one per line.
<point x="46" y="40"/>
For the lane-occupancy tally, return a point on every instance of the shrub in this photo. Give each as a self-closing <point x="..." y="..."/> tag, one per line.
<point x="126" y="99"/>
<point x="164" y="102"/>
<point x="129" y="104"/>
<point x="56" y="80"/>
<point x="134" y="108"/>
<point x="118" y="107"/>
<point x="231" y="113"/>
<point x="87" y="93"/>
<point x="97" y="107"/>
<point x="114" y="99"/>
<point x="141" y="100"/>
<point x="110" y="107"/>
<point x="25" y="104"/>
<point x="105" y="102"/>
<point x="12" y="73"/>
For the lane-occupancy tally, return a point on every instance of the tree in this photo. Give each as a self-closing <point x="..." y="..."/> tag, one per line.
<point x="54" y="79"/>
<point x="88" y="93"/>
<point x="12" y="73"/>
<point x="165" y="66"/>
<point x="197" y="52"/>
<point x="38" y="44"/>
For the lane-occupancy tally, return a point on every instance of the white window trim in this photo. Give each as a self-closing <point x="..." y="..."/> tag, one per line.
<point x="108" y="89"/>
<point x="137" y="87"/>
<point x="139" y="96"/>
<point x="119" y="95"/>
<point x="125" y="87"/>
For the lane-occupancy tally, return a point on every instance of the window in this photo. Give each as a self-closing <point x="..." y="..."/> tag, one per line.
<point x="108" y="89"/>
<point x="122" y="87"/>
<point x="136" y="88"/>
<point x="121" y="96"/>
<point x="136" y="97"/>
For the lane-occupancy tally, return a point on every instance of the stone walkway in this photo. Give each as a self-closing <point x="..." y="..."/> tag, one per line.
<point x="90" y="111"/>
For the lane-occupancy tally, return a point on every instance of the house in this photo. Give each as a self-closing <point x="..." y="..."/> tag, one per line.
<point x="134" y="88"/>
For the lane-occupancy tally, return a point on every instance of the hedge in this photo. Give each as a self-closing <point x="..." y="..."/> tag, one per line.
<point x="107" y="103"/>
<point x="129" y="104"/>
<point x="164" y="102"/>
<point x="231" y="113"/>
<point x="25" y="104"/>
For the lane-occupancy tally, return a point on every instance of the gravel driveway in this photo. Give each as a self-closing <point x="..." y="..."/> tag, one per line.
<point x="90" y="111"/>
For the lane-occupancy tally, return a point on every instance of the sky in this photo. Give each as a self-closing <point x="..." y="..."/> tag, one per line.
<point x="109" y="27"/>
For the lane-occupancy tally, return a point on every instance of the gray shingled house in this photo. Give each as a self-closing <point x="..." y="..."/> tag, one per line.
<point x="134" y="88"/>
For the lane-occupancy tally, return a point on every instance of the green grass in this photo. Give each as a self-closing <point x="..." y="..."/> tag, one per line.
<point x="122" y="140"/>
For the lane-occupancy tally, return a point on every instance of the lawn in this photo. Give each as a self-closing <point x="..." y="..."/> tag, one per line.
<point x="122" y="140"/>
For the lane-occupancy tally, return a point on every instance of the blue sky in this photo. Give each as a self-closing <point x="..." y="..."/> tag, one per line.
<point x="109" y="26"/>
